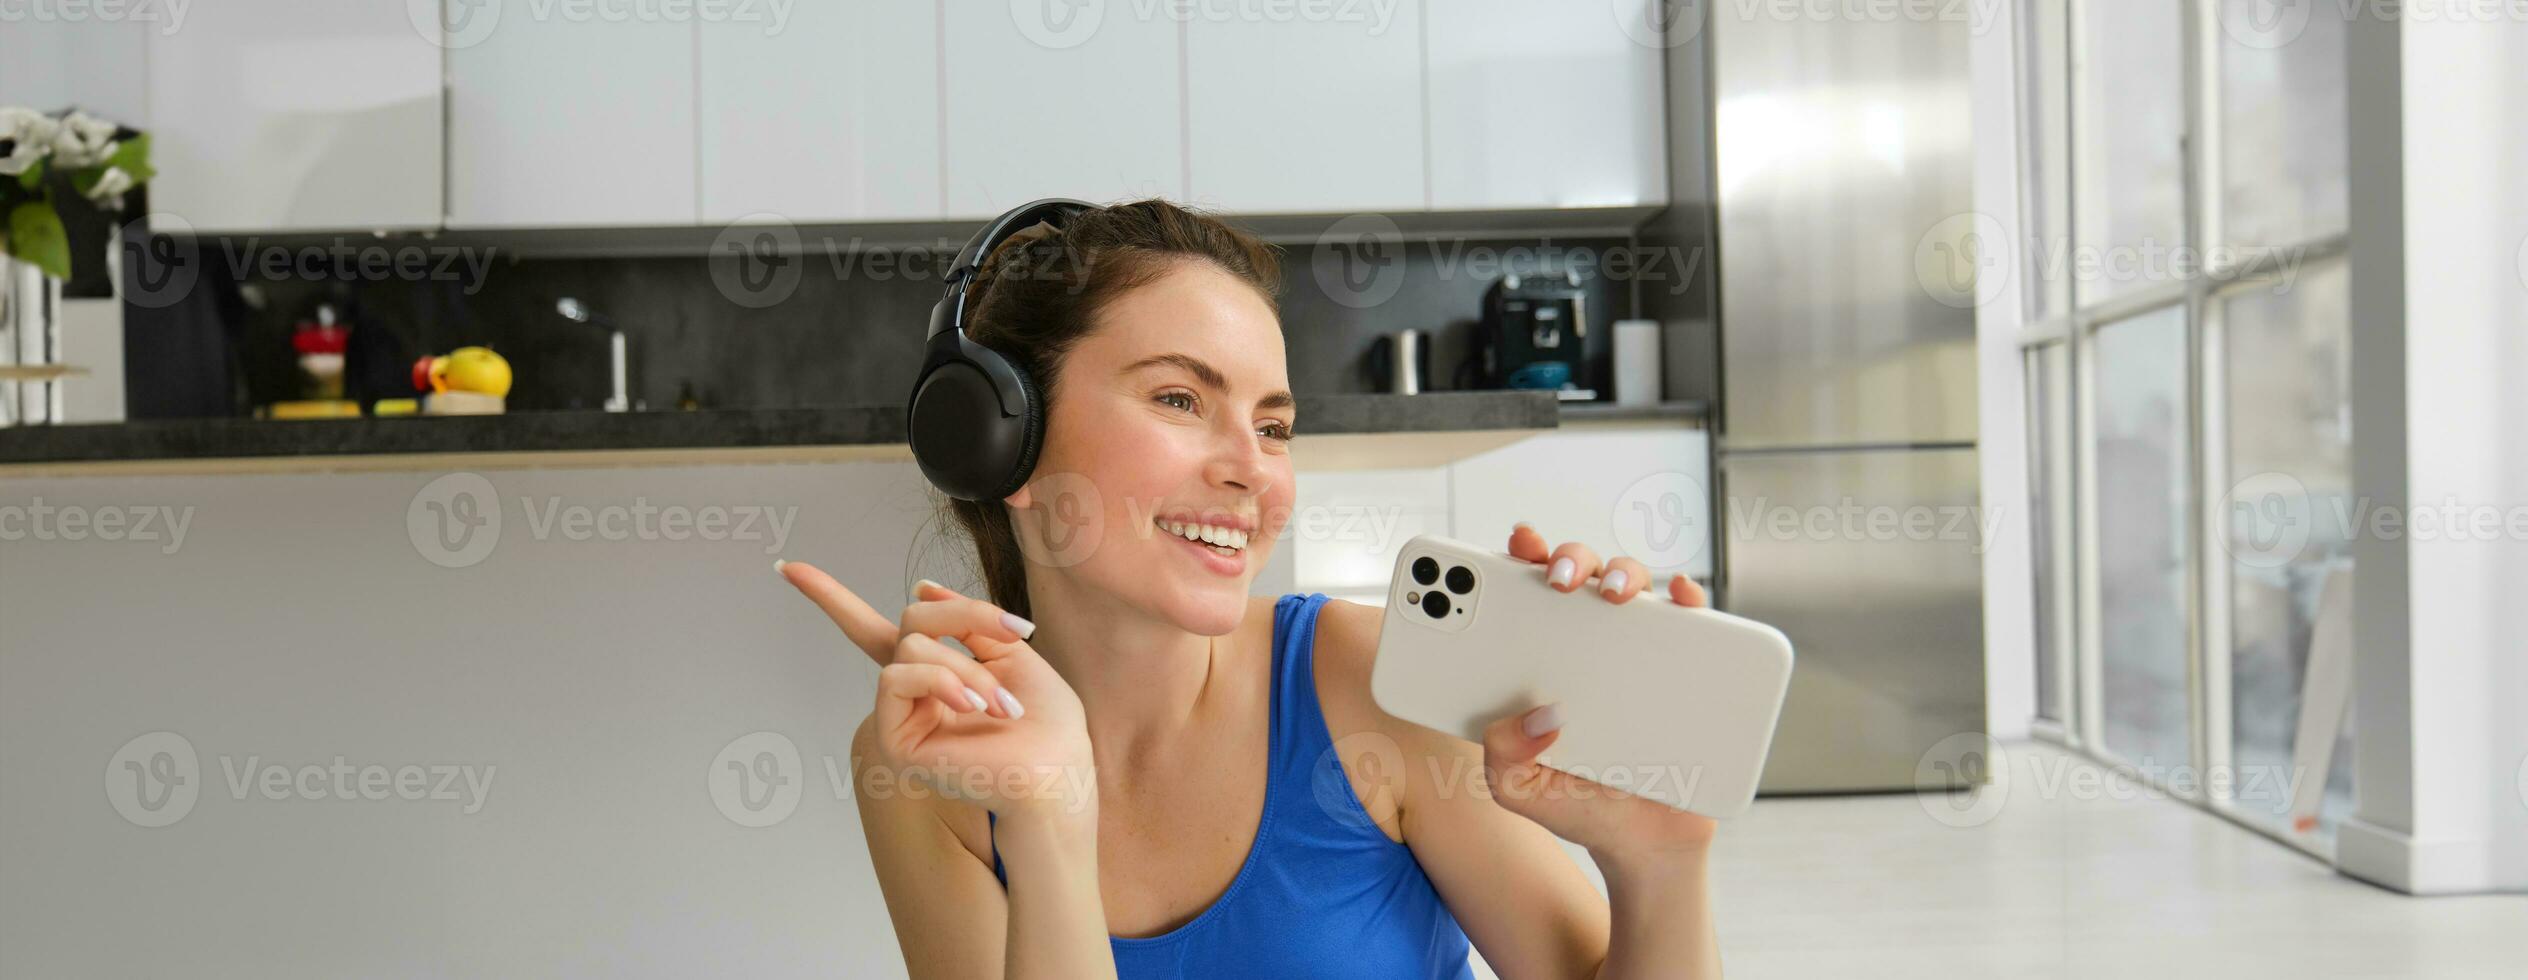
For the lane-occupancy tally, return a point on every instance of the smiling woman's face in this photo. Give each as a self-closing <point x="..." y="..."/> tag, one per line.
<point x="1175" y="411"/>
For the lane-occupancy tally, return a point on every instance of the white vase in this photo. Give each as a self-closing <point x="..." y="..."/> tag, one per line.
<point x="30" y="345"/>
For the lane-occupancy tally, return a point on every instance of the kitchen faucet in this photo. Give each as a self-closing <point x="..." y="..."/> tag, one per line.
<point x="620" y="353"/>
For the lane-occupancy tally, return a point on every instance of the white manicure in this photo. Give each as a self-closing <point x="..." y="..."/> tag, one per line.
<point x="1562" y="571"/>
<point x="1009" y="703"/>
<point x="979" y="704"/>
<point x="1023" y="628"/>
<point x="1612" y="583"/>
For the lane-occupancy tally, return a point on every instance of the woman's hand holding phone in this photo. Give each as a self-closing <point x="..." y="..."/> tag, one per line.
<point x="1612" y="824"/>
<point x="1000" y="728"/>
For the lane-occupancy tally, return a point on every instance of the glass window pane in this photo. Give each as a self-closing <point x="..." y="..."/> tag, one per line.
<point x="2128" y="132"/>
<point x="2045" y="56"/>
<point x="2050" y="521"/>
<point x="2290" y="437"/>
<point x="2143" y="488"/>
<point x="2282" y="121"/>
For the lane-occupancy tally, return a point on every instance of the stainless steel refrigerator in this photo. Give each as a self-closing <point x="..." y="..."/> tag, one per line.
<point x="1841" y="191"/>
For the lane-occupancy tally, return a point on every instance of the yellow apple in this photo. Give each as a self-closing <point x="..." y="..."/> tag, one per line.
<point x="477" y="369"/>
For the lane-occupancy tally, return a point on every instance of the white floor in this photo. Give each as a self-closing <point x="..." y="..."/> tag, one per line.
<point x="2060" y="882"/>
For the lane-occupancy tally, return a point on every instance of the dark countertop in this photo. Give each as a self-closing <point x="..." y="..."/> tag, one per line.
<point x="52" y="446"/>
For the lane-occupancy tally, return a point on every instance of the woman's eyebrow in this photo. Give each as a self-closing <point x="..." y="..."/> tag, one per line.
<point x="1204" y="372"/>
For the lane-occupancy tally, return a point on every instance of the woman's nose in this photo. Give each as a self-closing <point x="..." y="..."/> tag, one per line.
<point x="1241" y="462"/>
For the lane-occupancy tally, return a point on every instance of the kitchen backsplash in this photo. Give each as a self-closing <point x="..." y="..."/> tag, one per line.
<point x="849" y="332"/>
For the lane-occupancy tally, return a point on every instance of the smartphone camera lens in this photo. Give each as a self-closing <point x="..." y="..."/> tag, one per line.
<point x="1426" y="570"/>
<point x="1461" y="579"/>
<point x="1435" y="603"/>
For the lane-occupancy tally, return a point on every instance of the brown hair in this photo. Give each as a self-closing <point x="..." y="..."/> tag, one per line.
<point x="1040" y="292"/>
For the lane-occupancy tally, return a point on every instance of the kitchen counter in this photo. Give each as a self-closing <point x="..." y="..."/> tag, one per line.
<point x="1335" y="432"/>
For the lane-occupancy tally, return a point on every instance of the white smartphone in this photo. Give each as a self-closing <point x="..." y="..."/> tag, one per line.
<point x="1659" y="700"/>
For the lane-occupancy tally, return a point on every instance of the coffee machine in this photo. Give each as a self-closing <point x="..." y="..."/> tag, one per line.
<point x="1533" y="335"/>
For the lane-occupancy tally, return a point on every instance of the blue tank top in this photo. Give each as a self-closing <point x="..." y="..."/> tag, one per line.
<point x="1323" y="894"/>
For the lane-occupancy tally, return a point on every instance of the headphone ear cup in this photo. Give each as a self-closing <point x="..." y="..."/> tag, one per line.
<point x="964" y="444"/>
<point x="1031" y="423"/>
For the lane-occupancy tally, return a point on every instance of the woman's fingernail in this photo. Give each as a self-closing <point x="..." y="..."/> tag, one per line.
<point x="1009" y="703"/>
<point x="1522" y="526"/>
<point x="777" y="563"/>
<point x="1562" y="571"/>
<point x="1612" y="583"/>
<point x="917" y="586"/>
<point x="1023" y="628"/>
<point x="979" y="703"/>
<point x="1542" y="720"/>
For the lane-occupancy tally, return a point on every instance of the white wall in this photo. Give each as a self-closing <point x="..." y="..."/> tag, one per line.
<point x="2440" y="275"/>
<point x="2001" y="399"/>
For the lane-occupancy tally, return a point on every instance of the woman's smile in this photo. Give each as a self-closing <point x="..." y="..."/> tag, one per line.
<point x="1218" y="547"/>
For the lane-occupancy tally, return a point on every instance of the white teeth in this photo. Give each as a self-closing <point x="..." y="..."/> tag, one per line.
<point x="1217" y="537"/>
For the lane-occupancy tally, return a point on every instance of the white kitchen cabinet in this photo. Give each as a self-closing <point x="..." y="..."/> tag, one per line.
<point x="275" y="115"/>
<point x="571" y="119"/>
<point x="833" y="117"/>
<point x="1641" y="489"/>
<point x="1307" y="114"/>
<point x="1536" y="104"/>
<point x="1062" y="100"/>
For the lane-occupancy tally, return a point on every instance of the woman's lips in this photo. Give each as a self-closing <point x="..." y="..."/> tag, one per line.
<point x="1230" y="564"/>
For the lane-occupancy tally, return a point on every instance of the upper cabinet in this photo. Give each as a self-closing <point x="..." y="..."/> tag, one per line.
<point x="1061" y="99"/>
<point x="277" y="115"/>
<point x="1548" y="104"/>
<point x="559" y="117"/>
<point x="832" y="116"/>
<point x="1308" y="114"/>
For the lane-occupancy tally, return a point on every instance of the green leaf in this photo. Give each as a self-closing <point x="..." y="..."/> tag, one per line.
<point x="133" y="156"/>
<point x="36" y="238"/>
<point x="33" y="178"/>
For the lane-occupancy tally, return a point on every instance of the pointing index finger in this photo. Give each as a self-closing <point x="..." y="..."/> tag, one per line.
<point x="872" y="633"/>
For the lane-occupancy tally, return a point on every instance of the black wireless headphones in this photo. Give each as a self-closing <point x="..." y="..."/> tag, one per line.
<point x="976" y="420"/>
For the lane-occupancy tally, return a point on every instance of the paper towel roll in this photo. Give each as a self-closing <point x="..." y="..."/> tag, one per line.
<point x="1637" y="362"/>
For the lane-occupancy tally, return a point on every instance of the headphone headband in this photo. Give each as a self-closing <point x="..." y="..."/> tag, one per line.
<point x="950" y="313"/>
<point x="976" y="420"/>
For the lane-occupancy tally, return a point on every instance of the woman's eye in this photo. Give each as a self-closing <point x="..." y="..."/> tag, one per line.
<point x="1175" y="396"/>
<point x="1276" y="430"/>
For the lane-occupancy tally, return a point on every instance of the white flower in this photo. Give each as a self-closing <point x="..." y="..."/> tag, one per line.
<point x="28" y="136"/>
<point x="109" y="188"/>
<point x="83" y="140"/>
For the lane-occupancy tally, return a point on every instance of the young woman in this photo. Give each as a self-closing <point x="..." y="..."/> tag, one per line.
<point x="1143" y="771"/>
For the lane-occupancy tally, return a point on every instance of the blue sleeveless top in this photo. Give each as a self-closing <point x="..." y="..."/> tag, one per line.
<point x="1323" y="894"/>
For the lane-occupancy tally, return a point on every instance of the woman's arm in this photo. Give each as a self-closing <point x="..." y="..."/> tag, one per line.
<point x="1483" y="838"/>
<point x="1004" y="731"/>
<point x="952" y="918"/>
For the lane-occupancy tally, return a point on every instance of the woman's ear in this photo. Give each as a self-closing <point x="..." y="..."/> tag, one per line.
<point x="1026" y="495"/>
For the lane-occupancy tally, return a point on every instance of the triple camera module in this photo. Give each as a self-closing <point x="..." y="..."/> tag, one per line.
<point x="1435" y="603"/>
